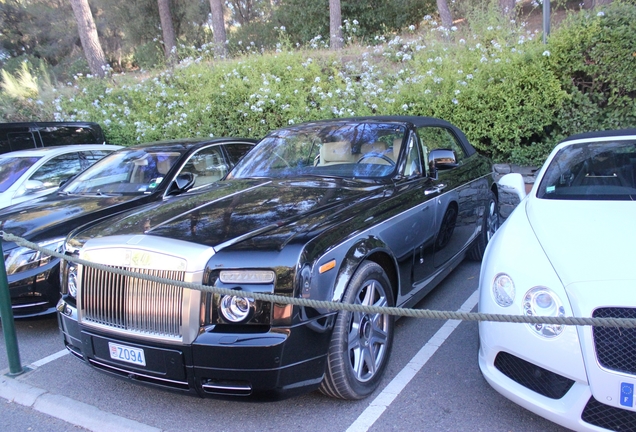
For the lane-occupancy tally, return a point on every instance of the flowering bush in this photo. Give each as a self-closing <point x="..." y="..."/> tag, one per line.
<point x="511" y="94"/>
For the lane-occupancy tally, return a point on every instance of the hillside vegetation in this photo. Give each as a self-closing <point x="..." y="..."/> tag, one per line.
<point x="514" y="96"/>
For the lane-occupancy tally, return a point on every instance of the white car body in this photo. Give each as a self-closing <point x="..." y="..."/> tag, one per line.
<point x="23" y="187"/>
<point x="583" y="250"/>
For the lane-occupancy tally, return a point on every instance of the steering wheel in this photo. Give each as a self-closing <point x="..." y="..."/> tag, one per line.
<point x="377" y="155"/>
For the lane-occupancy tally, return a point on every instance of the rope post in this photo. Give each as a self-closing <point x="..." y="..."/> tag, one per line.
<point x="8" y="326"/>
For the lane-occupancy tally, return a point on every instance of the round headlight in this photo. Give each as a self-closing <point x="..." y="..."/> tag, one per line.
<point x="543" y="302"/>
<point x="503" y="290"/>
<point x="236" y="309"/>
<point x="71" y="280"/>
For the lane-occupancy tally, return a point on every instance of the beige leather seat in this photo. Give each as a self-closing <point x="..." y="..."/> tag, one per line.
<point x="336" y="152"/>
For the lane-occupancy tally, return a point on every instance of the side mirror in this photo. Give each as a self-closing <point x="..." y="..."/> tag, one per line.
<point x="31" y="186"/>
<point x="440" y="160"/>
<point x="514" y="183"/>
<point x="181" y="183"/>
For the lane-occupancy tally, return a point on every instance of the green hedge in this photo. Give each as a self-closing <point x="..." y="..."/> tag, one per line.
<point x="513" y="96"/>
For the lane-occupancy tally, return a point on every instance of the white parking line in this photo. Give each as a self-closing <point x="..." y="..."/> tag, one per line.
<point x="392" y="391"/>
<point x="49" y="359"/>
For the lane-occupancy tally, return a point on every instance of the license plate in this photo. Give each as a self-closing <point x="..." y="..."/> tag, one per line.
<point x="127" y="354"/>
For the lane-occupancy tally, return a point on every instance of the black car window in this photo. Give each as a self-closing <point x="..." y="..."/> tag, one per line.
<point x="21" y="140"/>
<point x="441" y="138"/>
<point x="125" y="172"/>
<point x="60" y="168"/>
<point x="63" y="135"/>
<point x="331" y="149"/>
<point x="592" y="171"/>
<point x="237" y="151"/>
<point x="207" y="165"/>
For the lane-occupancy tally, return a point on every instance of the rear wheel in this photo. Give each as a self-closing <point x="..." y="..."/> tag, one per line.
<point x="490" y="225"/>
<point x="361" y="342"/>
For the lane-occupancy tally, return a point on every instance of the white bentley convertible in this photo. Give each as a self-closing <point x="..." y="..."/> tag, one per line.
<point x="568" y="249"/>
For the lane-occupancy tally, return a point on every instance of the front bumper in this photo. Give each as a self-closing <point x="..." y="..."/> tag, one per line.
<point x="562" y="394"/>
<point x="36" y="291"/>
<point x="274" y="364"/>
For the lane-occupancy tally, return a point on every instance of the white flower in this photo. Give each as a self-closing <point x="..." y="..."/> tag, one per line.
<point x="601" y="13"/>
<point x="455" y="101"/>
<point x="546" y="53"/>
<point x="405" y="107"/>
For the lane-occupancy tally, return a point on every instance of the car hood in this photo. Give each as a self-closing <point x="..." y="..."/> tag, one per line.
<point x="56" y="215"/>
<point x="263" y="214"/>
<point x="586" y="240"/>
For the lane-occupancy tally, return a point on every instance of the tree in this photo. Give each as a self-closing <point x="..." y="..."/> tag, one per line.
<point x="335" y="25"/>
<point x="169" y="41"/>
<point x="218" y="27"/>
<point x="88" y="36"/>
<point x="444" y="14"/>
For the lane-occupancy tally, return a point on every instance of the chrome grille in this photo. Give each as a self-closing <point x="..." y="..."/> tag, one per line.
<point x="616" y="347"/>
<point x="132" y="304"/>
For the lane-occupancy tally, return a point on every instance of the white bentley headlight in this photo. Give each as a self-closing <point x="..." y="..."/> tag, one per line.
<point x="543" y="302"/>
<point x="22" y="259"/>
<point x="503" y="290"/>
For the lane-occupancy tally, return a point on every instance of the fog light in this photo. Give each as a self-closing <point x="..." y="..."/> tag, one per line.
<point x="236" y="309"/>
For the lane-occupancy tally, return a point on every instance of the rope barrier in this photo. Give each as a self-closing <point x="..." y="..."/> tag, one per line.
<point x="338" y="306"/>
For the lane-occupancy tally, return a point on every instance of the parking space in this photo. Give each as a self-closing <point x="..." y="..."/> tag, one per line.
<point x="446" y="392"/>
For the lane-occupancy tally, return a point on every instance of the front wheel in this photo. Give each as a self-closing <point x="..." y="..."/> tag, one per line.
<point x="361" y="342"/>
<point x="490" y="225"/>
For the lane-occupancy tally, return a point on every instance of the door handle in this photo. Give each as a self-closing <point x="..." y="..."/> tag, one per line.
<point x="436" y="189"/>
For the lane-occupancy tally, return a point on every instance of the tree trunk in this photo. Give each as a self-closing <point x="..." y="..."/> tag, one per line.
<point x="507" y="8"/>
<point x="444" y="14"/>
<point x="169" y="41"/>
<point x="218" y="27"/>
<point x="335" y="25"/>
<point x="88" y="36"/>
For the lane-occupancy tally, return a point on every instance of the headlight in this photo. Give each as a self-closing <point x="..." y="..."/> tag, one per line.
<point x="236" y="309"/>
<point x="542" y="302"/>
<point x="503" y="290"/>
<point x="22" y="259"/>
<point x="71" y="279"/>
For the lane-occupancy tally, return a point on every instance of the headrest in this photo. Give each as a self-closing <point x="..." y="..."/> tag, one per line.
<point x="376" y="147"/>
<point x="337" y="151"/>
<point x="163" y="165"/>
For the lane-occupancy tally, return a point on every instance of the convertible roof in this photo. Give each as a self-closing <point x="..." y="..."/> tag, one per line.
<point x="602" y="134"/>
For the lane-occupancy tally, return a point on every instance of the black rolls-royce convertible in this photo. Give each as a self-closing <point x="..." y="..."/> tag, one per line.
<point x="374" y="211"/>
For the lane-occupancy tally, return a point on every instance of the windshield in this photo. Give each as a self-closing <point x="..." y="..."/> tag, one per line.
<point x="124" y="172"/>
<point x="331" y="149"/>
<point x="11" y="169"/>
<point x="592" y="171"/>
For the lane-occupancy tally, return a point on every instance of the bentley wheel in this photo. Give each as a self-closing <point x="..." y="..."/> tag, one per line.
<point x="490" y="225"/>
<point x="361" y="341"/>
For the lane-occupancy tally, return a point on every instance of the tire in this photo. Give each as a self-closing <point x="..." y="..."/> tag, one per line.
<point x="361" y="343"/>
<point x="489" y="227"/>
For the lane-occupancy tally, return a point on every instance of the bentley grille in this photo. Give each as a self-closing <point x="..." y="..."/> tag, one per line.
<point x="615" y="346"/>
<point x="132" y="304"/>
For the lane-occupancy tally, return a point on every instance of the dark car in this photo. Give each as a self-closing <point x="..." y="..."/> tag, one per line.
<point x="26" y="135"/>
<point x="125" y="179"/>
<point x="374" y="211"/>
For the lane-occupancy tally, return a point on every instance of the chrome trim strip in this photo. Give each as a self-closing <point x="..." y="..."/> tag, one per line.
<point x="134" y="373"/>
